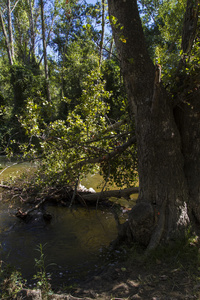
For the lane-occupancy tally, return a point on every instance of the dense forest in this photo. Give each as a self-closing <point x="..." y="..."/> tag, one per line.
<point x="62" y="94"/>
<point x="112" y="88"/>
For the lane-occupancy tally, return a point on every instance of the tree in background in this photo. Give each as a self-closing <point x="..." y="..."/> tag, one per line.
<point x="20" y="73"/>
<point x="84" y="127"/>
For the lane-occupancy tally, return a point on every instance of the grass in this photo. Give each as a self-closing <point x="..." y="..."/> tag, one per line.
<point x="11" y="281"/>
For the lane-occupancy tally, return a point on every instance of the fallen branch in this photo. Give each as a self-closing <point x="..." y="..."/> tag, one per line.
<point x="7" y="168"/>
<point x="23" y="215"/>
<point x="10" y="187"/>
<point x="93" y="197"/>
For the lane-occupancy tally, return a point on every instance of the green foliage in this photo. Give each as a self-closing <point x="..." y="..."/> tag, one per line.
<point x="11" y="281"/>
<point x="6" y="100"/>
<point x="114" y="83"/>
<point x="81" y="58"/>
<point x="42" y="277"/>
<point x="26" y="82"/>
<point x="62" y="142"/>
<point x="69" y="148"/>
<point x="163" y="22"/>
<point x="17" y="83"/>
<point x="71" y="135"/>
<point x="122" y="169"/>
<point x="182" y="252"/>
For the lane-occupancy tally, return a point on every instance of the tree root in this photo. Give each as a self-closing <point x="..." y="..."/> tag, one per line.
<point x="158" y="231"/>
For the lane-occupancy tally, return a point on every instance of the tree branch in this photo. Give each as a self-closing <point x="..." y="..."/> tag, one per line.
<point x="118" y="150"/>
<point x="9" y="187"/>
<point x="14" y="5"/>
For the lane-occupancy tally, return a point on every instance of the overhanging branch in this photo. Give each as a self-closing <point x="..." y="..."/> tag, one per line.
<point x="118" y="150"/>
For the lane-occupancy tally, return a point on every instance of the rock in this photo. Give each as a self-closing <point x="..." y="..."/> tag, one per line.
<point x="59" y="297"/>
<point x="91" y="190"/>
<point x="82" y="188"/>
<point x="47" y="217"/>
<point x="64" y="297"/>
<point x="29" y="295"/>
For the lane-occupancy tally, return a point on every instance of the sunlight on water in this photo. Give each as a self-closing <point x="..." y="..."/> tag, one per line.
<point x="73" y="239"/>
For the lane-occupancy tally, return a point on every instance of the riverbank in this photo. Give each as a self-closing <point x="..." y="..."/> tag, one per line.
<point x="169" y="273"/>
<point x="160" y="279"/>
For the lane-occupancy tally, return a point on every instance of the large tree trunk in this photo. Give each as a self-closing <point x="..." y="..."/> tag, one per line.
<point x="187" y="112"/>
<point x="165" y="165"/>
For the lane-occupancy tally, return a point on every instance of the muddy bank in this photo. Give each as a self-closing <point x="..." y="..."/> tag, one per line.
<point x="126" y="280"/>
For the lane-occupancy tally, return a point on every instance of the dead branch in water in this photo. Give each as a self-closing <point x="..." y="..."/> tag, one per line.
<point x="3" y="186"/>
<point x="23" y="215"/>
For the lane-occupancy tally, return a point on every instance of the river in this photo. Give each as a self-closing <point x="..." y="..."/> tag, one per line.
<point x="74" y="240"/>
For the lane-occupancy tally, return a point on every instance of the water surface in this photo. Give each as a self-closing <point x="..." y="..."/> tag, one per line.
<point x="73" y="240"/>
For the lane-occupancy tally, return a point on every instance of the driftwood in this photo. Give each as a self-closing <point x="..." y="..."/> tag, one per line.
<point x="83" y="195"/>
<point x="10" y="187"/>
<point x="37" y="295"/>
<point x="23" y="215"/>
<point x="93" y="197"/>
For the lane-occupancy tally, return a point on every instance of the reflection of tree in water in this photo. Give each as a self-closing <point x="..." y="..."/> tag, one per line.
<point x="72" y="238"/>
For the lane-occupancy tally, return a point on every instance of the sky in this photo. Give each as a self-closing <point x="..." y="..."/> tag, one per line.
<point x="91" y="1"/>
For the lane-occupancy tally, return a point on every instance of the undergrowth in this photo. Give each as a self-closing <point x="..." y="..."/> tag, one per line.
<point x="11" y="281"/>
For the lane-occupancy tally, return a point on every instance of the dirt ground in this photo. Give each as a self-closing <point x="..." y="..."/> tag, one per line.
<point x="172" y="278"/>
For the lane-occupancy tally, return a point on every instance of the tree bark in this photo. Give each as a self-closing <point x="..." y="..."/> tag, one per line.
<point x="6" y="40"/>
<point x="102" y="31"/>
<point x="45" y="52"/>
<point x="32" y="31"/>
<point x="164" y="164"/>
<point x="10" y="31"/>
<point x="187" y="112"/>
